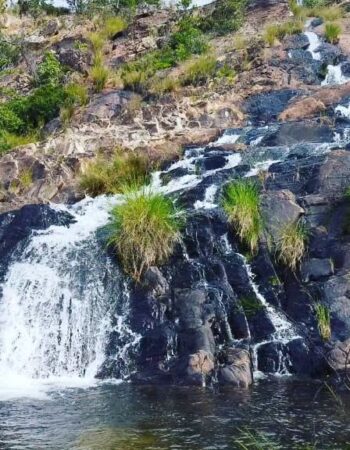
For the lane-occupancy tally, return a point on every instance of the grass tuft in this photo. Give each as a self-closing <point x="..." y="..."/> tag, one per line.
<point x="99" y="76"/>
<point x="103" y="176"/>
<point x="199" y="70"/>
<point x="291" y="245"/>
<point x="113" y="26"/>
<point x="278" y="31"/>
<point x="242" y="206"/>
<point x="145" y="229"/>
<point x="332" y="32"/>
<point x="323" y="318"/>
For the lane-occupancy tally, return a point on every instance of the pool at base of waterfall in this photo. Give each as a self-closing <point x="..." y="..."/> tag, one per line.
<point x="290" y="413"/>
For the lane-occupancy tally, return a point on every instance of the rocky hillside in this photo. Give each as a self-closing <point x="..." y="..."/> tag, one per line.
<point x="275" y="299"/>
<point x="158" y="122"/>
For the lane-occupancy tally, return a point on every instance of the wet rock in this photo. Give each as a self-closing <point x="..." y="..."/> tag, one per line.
<point x="318" y="102"/>
<point x="238" y="370"/>
<point x="296" y="41"/>
<point x="330" y="54"/>
<point x="292" y="133"/>
<point x="267" y="107"/>
<point x="315" y="269"/>
<point x="279" y="209"/>
<point x="336" y="294"/>
<point x="339" y="356"/>
<point x="345" y="69"/>
<point x="316" y="22"/>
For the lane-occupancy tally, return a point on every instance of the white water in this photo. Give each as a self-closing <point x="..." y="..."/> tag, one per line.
<point x="334" y="76"/>
<point x="55" y="312"/>
<point x="314" y="44"/>
<point x="284" y="330"/>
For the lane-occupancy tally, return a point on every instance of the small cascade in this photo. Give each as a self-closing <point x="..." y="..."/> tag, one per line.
<point x="334" y="76"/>
<point x="284" y="330"/>
<point x="314" y="44"/>
<point x="57" y="305"/>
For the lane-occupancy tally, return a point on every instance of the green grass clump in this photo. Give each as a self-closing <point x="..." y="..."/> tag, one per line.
<point x="242" y="206"/>
<point x="160" y="86"/>
<point x="199" y="70"/>
<point x="278" y="31"/>
<point x="327" y="13"/>
<point x="9" y="141"/>
<point x="291" y="244"/>
<point x="332" y="32"/>
<point x="99" y="76"/>
<point x="97" y="41"/>
<point x="113" y="26"/>
<point x="110" y="176"/>
<point x="145" y="229"/>
<point x="323" y="318"/>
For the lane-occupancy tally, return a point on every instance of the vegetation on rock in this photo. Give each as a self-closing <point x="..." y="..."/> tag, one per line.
<point x="323" y="318"/>
<point x="111" y="176"/>
<point x="242" y="206"/>
<point x="144" y="230"/>
<point x="332" y="32"/>
<point x="291" y="244"/>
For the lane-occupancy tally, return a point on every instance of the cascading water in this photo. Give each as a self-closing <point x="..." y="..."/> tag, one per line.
<point x="56" y="307"/>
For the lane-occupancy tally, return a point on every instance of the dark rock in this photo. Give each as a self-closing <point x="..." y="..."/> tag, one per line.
<point x="338" y="357"/>
<point x="345" y="69"/>
<point x="279" y="209"/>
<point x="315" y="269"/>
<point x="296" y="41"/>
<point x="266" y="107"/>
<point x="75" y="59"/>
<point x="51" y="28"/>
<point x="238" y="371"/>
<point x="316" y="22"/>
<point x="330" y="54"/>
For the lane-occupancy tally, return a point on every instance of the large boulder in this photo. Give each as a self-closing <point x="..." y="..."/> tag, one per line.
<point x="279" y="209"/>
<point x="339" y="356"/>
<point x="238" y="370"/>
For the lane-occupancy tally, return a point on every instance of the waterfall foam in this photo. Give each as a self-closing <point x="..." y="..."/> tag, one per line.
<point x="56" y="310"/>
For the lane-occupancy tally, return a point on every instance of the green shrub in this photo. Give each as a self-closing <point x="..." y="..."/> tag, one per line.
<point x="113" y="26"/>
<point x="9" y="53"/>
<point x="332" y="32"/>
<point x="111" y="176"/>
<point x="49" y="71"/>
<point x="187" y="40"/>
<point x="291" y="244"/>
<point x="323" y="318"/>
<point x="9" y="120"/>
<point x="242" y="206"/>
<point x="227" y="16"/>
<point x="199" y="70"/>
<point x="145" y="229"/>
<point x="99" y="76"/>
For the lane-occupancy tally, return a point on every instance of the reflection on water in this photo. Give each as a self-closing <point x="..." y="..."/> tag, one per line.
<point x="126" y="417"/>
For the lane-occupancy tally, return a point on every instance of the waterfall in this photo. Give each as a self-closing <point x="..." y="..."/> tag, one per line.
<point x="57" y="303"/>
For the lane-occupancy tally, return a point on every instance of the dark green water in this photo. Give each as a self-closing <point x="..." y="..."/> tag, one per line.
<point x="125" y="417"/>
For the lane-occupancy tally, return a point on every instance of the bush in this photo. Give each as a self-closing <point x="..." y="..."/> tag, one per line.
<point x="291" y="244"/>
<point x="97" y="41"/>
<point x="327" y="13"/>
<point x="277" y="31"/>
<point x="242" y="206"/>
<point x="332" y="32"/>
<point x="188" y="40"/>
<point x="9" y="53"/>
<point x="104" y="176"/>
<point x="227" y="16"/>
<point x="145" y="229"/>
<point x="99" y="75"/>
<point x="49" y="71"/>
<point x="323" y="318"/>
<point x="113" y="26"/>
<point x="199" y="70"/>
